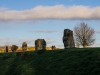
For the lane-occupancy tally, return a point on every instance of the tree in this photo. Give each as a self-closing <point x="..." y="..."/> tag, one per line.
<point x="84" y="34"/>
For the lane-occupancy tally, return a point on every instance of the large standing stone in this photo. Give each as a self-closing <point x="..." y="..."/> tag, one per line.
<point x="40" y="44"/>
<point x="68" y="39"/>
<point x="14" y="48"/>
<point x="24" y="46"/>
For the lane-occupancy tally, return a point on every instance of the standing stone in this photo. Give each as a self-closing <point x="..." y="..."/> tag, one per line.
<point x="40" y="44"/>
<point x="68" y="39"/>
<point x="14" y="48"/>
<point x="24" y="46"/>
<point x="6" y="48"/>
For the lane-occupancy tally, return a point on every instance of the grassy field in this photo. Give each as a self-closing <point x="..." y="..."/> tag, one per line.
<point x="54" y="62"/>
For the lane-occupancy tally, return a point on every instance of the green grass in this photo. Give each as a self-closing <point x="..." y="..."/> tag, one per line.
<point x="58" y="62"/>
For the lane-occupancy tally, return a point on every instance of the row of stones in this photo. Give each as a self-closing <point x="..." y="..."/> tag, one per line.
<point x="40" y="44"/>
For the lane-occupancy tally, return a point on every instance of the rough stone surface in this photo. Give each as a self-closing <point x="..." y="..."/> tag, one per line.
<point x="40" y="44"/>
<point x="6" y="48"/>
<point x="14" y="48"/>
<point x="24" y="46"/>
<point x="68" y="39"/>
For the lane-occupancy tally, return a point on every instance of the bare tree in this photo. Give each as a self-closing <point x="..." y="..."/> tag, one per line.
<point x="84" y="34"/>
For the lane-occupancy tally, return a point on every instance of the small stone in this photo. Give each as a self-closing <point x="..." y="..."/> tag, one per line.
<point x="24" y="46"/>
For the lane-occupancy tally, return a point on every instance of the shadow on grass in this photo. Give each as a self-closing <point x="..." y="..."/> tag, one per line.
<point x="55" y="62"/>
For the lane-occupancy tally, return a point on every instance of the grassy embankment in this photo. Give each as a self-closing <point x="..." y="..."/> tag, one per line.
<point x="58" y="62"/>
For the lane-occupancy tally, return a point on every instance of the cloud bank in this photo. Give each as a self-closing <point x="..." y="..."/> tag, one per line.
<point x="51" y="12"/>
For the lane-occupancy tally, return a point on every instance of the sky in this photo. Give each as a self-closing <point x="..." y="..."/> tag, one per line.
<point x="28" y="20"/>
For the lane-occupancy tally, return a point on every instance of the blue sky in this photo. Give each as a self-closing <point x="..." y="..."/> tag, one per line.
<point x="28" y="20"/>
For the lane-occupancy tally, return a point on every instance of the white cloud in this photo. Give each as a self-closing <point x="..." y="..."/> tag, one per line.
<point x="97" y="31"/>
<point x="49" y="40"/>
<point x="95" y="45"/>
<point x="28" y="40"/>
<point x="2" y="9"/>
<point x="60" y="46"/>
<point x="4" y="39"/>
<point x="44" y="31"/>
<point x="51" y="12"/>
<point x="7" y="41"/>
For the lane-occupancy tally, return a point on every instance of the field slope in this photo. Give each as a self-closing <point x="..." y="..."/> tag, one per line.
<point x="58" y="62"/>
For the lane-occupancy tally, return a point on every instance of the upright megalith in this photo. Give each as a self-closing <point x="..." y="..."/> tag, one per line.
<point x="24" y="46"/>
<point x="14" y="48"/>
<point x="68" y="39"/>
<point x="40" y="44"/>
<point x="6" y="48"/>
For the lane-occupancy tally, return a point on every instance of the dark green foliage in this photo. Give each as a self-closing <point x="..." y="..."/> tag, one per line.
<point x="55" y="62"/>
